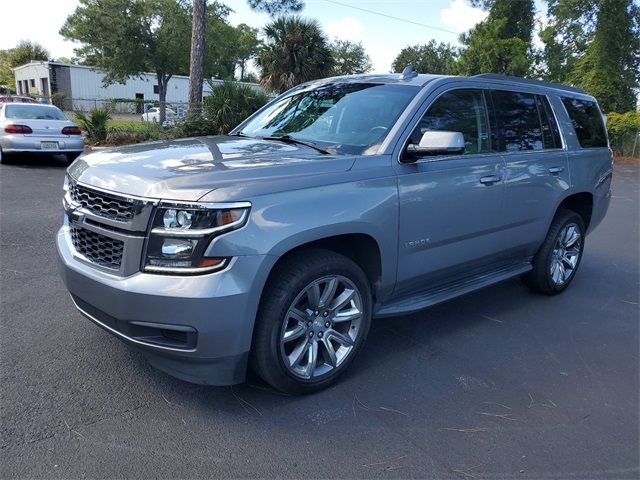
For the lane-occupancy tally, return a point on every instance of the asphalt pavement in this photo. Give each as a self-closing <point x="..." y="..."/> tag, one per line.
<point x="502" y="383"/>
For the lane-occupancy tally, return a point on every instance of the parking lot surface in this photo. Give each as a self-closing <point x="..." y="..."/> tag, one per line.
<point x="502" y="383"/>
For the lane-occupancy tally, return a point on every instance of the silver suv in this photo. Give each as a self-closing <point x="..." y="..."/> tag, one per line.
<point x="342" y="200"/>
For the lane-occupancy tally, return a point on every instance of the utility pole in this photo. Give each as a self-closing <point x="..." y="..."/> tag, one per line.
<point x="197" y="58"/>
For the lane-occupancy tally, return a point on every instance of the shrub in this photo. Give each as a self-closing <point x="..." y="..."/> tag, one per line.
<point x="624" y="133"/>
<point x="134" y="132"/>
<point x="194" y="127"/>
<point x="94" y="123"/>
<point x="230" y="103"/>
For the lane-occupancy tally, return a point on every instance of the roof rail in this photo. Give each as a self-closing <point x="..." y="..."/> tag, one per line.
<point x="528" y="81"/>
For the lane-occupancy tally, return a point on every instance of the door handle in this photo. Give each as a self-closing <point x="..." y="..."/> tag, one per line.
<point x="490" y="180"/>
<point x="556" y="170"/>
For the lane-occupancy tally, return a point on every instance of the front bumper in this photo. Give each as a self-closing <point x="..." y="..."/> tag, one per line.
<point x="33" y="143"/>
<point x="212" y="315"/>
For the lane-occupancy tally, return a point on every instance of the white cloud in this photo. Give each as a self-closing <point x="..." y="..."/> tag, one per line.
<point x="347" y="28"/>
<point x="460" y="16"/>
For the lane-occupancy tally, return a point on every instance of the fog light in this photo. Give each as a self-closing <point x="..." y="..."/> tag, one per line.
<point x="172" y="247"/>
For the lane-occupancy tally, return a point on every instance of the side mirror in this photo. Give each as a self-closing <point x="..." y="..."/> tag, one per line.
<point x="434" y="142"/>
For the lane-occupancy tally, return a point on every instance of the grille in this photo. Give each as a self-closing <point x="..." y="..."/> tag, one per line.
<point x="101" y="250"/>
<point x="105" y="205"/>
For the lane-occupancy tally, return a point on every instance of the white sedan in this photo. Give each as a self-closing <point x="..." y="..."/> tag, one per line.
<point x="35" y="128"/>
<point x="153" y="115"/>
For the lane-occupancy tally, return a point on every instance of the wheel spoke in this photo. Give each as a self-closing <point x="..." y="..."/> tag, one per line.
<point x="555" y="271"/>
<point x="312" y="358"/>
<point x="571" y="237"/>
<point x="328" y="293"/>
<point x="294" y="333"/>
<point x="563" y="273"/>
<point x="570" y="260"/>
<point x="331" y="352"/>
<point x="341" y="338"/>
<point x="298" y="353"/>
<point x="298" y="315"/>
<point x="347" y="315"/>
<point x="343" y="299"/>
<point x="313" y="295"/>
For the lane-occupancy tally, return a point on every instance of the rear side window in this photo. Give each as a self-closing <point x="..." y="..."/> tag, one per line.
<point x="458" y="111"/>
<point x="587" y="122"/>
<point x="518" y="122"/>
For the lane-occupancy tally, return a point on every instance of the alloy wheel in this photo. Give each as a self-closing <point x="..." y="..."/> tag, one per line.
<point x="565" y="254"/>
<point x="321" y="326"/>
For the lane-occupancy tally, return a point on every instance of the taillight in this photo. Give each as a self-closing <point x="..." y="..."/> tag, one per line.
<point x="18" y="129"/>
<point x="71" y="131"/>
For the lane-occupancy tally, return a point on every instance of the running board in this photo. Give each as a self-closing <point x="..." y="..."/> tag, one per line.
<point x="441" y="294"/>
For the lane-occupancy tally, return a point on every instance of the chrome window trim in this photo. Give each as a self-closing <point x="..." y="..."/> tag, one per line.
<point x="126" y="337"/>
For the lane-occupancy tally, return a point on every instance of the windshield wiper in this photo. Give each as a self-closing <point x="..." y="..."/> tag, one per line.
<point x="290" y="139"/>
<point x="240" y="134"/>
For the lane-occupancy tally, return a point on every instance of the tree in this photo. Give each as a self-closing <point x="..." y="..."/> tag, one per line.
<point x="129" y="37"/>
<point x="296" y="50"/>
<point x="570" y="25"/>
<point x="197" y="56"/>
<point x="349" y="58"/>
<point x="246" y="47"/>
<point x="276" y="7"/>
<point x="502" y="42"/>
<point x="24" y="52"/>
<point x="433" y="57"/>
<point x="610" y="67"/>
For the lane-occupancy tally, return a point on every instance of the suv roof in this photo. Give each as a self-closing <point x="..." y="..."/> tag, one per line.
<point x="422" y="79"/>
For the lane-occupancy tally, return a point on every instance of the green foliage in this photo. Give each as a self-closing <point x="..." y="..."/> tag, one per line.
<point x="94" y="123"/>
<point x="502" y="42"/>
<point x="610" y="67"/>
<point x="349" y="58"/>
<point x="624" y="133"/>
<point x="296" y="50"/>
<point x="24" y="52"/>
<point x="123" y="132"/>
<point x="276" y="7"/>
<point x="230" y="103"/>
<point x="193" y="126"/>
<point x="570" y="25"/>
<point x="432" y="57"/>
<point x="246" y="47"/>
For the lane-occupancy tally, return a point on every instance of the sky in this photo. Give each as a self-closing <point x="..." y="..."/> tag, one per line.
<point x="383" y="37"/>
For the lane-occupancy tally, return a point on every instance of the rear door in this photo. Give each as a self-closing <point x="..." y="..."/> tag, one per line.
<point x="537" y="174"/>
<point x="450" y="205"/>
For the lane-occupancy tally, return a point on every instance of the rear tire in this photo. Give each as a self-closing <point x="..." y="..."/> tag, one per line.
<point x="557" y="261"/>
<point x="3" y="158"/>
<point x="314" y="317"/>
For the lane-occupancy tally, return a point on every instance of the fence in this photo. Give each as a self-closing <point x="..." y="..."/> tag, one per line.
<point x="625" y="144"/>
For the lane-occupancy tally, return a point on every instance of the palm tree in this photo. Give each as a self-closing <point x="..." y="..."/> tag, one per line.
<point x="296" y="50"/>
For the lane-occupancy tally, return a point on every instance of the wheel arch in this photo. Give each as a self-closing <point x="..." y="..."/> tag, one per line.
<point x="579" y="202"/>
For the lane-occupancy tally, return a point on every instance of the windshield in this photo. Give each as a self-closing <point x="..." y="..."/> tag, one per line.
<point x="33" y="112"/>
<point x="346" y="118"/>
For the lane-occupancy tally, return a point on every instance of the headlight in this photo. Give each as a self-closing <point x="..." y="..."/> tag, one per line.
<point x="181" y="233"/>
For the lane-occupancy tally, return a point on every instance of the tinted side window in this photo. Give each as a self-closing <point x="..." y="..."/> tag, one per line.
<point x="458" y="111"/>
<point x="587" y="122"/>
<point x="550" y="132"/>
<point x="518" y="123"/>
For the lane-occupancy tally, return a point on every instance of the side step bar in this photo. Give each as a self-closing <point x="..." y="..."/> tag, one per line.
<point x="441" y="294"/>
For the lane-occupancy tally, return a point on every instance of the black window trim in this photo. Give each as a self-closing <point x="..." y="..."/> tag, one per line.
<point x="489" y="108"/>
<point x="439" y="158"/>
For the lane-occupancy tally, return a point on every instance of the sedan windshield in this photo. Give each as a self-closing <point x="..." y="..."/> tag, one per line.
<point x="346" y="118"/>
<point x="33" y="112"/>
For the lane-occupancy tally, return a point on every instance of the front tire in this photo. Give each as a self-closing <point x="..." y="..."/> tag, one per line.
<point x="556" y="263"/>
<point x="314" y="317"/>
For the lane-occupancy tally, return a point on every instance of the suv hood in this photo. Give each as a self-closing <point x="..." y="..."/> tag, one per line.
<point x="187" y="169"/>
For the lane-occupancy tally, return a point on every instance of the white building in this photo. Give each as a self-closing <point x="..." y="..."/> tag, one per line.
<point x="77" y="86"/>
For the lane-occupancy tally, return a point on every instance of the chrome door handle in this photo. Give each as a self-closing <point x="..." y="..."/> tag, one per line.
<point x="490" y="180"/>
<point x="556" y="170"/>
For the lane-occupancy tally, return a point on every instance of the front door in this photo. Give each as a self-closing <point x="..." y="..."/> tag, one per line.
<point x="451" y="205"/>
